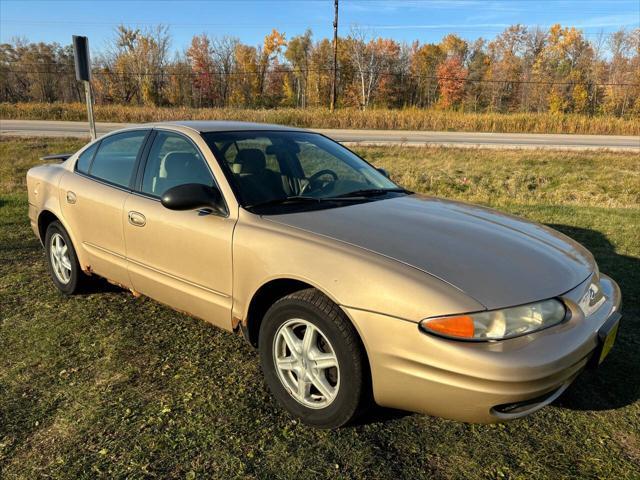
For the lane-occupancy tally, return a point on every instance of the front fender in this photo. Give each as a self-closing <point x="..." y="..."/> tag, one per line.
<point x="352" y="277"/>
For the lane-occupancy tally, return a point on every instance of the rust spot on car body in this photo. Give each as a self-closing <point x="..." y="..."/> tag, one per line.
<point x="118" y="284"/>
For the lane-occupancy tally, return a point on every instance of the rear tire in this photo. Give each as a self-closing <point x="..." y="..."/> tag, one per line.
<point x="62" y="260"/>
<point x="313" y="360"/>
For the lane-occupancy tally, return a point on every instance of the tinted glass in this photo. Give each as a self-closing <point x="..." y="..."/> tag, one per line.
<point x="267" y="165"/>
<point x="173" y="160"/>
<point x="314" y="159"/>
<point x="116" y="157"/>
<point x="84" y="160"/>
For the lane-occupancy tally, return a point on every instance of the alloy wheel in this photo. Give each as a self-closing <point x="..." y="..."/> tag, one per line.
<point x="306" y="363"/>
<point x="60" y="261"/>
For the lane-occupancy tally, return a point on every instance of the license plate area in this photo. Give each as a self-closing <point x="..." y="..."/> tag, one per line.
<point x="606" y="338"/>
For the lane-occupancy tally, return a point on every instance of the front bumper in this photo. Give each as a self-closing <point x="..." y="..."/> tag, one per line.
<point x="480" y="381"/>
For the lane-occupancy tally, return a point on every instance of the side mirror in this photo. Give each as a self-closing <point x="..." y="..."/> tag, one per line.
<point x="383" y="171"/>
<point x="193" y="196"/>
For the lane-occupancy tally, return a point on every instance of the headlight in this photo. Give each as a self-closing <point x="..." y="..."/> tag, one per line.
<point x="498" y="324"/>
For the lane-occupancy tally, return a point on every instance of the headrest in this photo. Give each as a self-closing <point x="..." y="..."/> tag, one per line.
<point x="289" y="147"/>
<point x="175" y="162"/>
<point x="251" y="160"/>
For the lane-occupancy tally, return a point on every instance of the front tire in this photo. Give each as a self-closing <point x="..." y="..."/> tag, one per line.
<point x="62" y="260"/>
<point x="312" y="359"/>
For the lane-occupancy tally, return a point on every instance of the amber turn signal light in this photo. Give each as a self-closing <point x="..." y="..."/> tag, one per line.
<point x="460" y="326"/>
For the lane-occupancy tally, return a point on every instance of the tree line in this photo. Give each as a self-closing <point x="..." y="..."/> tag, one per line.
<point x="521" y="70"/>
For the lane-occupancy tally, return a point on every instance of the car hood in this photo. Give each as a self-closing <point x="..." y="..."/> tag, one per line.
<point x="497" y="259"/>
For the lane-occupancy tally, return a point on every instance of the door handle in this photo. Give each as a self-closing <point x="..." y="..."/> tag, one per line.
<point x="137" y="219"/>
<point x="71" y="197"/>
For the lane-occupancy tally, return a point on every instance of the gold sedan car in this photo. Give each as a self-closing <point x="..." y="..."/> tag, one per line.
<point x="352" y="288"/>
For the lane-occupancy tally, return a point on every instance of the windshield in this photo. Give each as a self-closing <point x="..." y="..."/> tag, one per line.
<point x="273" y="167"/>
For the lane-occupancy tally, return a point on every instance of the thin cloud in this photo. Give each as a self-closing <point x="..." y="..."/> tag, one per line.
<point x="395" y="5"/>
<point x="618" y="20"/>
<point x="438" y="26"/>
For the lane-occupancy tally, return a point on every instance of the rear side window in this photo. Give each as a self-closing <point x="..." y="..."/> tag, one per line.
<point x="84" y="160"/>
<point x="116" y="157"/>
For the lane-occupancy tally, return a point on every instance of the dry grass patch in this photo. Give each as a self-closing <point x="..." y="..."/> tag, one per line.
<point x="382" y="119"/>
<point x="499" y="177"/>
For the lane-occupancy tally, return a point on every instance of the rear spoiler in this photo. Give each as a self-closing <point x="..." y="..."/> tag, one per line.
<point x="58" y="156"/>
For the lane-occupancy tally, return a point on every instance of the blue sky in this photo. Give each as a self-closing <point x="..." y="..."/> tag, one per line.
<point x="250" y="20"/>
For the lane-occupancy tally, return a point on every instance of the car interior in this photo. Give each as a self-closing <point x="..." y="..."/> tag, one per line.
<point x="175" y="168"/>
<point x="265" y="169"/>
<point x="113" y="168"/>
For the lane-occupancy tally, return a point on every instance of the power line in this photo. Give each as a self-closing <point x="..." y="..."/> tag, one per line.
<point x="327" y="69"/>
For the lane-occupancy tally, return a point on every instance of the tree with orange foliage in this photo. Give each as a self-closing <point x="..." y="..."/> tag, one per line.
<point x="522" y="69"/>
<point x="199" y="55"/>
<point x="566" y="59"/>
<point x="245" y="86"/>
<point x="506" y="54"/>
<point x="423" y="64"/>
<point x="271" y="47"/>
<point x="451" y="76"/>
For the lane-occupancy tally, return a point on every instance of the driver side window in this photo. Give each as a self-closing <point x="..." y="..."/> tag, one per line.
<point x="173" y="160"/>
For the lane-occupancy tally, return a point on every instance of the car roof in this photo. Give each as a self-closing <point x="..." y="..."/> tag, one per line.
<point x="204" y="126"/>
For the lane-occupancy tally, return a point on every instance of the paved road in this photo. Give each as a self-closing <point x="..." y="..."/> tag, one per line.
<point x="374" y="137"/>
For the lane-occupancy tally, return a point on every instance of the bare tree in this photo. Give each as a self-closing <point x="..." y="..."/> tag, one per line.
<point x="224" y="59"/>
<point x="370" y="58"/>
<point x="133" y="66"/>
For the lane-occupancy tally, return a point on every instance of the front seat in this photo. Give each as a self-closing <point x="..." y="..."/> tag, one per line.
<point x="180" y="168"/>
<point x="257" y="183"/>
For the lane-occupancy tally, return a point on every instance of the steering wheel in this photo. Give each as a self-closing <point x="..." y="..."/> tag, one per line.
<point x="314" y="180"/>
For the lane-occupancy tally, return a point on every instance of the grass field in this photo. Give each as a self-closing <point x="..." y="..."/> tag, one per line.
<point x="105" y="385"/>
<point x="382" y="119"/>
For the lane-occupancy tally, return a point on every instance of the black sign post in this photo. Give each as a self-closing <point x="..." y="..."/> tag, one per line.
<point x="83" y="73"/>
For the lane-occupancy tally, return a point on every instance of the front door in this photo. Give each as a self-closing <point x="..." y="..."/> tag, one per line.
<point x="182" y="259"/>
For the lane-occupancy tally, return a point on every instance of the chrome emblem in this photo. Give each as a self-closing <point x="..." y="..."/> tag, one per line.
<point x="591" y="300"/>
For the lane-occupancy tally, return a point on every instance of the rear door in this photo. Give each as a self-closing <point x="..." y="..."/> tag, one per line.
<point x="93" y="196"/>
<point x="181" y="258"/>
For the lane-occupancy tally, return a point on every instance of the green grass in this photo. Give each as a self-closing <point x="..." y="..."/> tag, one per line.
<point x="107" y="385"/>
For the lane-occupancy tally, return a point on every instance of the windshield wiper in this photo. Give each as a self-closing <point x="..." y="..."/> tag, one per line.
<point x="345" y="197"/>
<point x="286" y="200"/>
<point x="372" y="192"/>
<point x="301" y="199"/>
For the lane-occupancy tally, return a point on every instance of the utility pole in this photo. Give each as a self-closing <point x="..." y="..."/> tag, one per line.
<point x="334" y="83"/>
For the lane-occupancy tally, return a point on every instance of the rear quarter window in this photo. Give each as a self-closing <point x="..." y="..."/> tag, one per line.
<point x="85" y="158"/>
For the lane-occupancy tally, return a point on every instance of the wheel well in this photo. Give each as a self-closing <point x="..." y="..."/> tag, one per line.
<point x="44" y="220"/>
<point x="266" y="296"/>
<point x="270" y="293"/>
